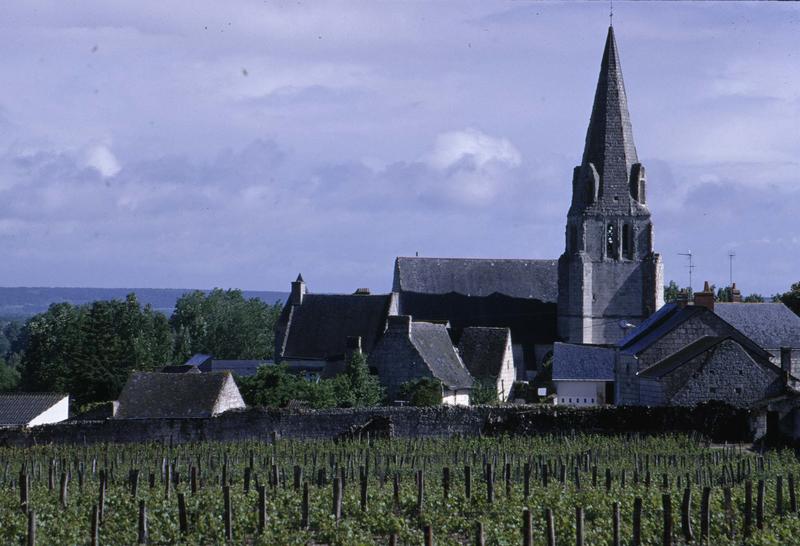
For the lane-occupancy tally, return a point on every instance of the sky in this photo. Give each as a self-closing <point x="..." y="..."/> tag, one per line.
<point x="235" y="144"/>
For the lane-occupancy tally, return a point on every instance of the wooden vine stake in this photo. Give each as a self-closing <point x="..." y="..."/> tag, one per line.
<point x="637" y="522"/>
<point x="550" y="528"/>
<point x="142" y="523"/>
<point x="527" y="528"/>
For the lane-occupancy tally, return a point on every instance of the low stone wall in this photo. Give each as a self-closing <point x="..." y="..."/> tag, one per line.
<point x="718" y="422"/>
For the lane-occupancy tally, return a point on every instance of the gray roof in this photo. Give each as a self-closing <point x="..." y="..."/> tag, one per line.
<point x="319" y="327"/>
<point x="150" y="395"/>
<point x="198" y="359"/>
<point x="21" y="409"/>
<point x="770" y="325"/>
<point x="242" y="368"/>
<point x="535" y="279"/>
<point x="436" y="350"/>
<point x="657" y="325"/>
<point x="483" y="350"/>
<point x="180" y="368"/>
<point x="582" y="362"/>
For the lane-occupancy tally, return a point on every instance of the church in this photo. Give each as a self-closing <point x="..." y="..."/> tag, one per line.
<point x="576" y="311"/>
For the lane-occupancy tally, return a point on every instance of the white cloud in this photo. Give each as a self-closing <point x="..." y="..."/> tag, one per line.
<point x="473" y="146"/>
<point x="102" y="159"/>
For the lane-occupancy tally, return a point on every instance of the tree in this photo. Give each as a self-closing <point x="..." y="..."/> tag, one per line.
<point x="754" y="298"/>
<point x="484" y="391"/>
<point x="672" y="291"/>
<point x="425" y="391"/>
<point x="364" y="388"/>
<point x="223" y="324"/>
<point x="792" y="298"/>
<point x="9" y="377"/>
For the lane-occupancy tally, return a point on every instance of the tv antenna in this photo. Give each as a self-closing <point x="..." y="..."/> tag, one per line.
<point x="691" y="265"/>
<point x="611" y="13"/>
<point x="731" y="255"/>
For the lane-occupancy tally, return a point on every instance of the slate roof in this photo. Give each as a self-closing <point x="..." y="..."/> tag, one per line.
<point x="536" y="279"/>
<point x="198" y="359"/>
<point x="319" y="327"/>
<point x="657" y="325"/>
<point x="609" y="139"/>
<point x="770" y="325"/>
<point x="572" y="362"/>
<point x="242" y="368"/>
<point x="435" y="348"/>
<point x="181" y="368"/>
<point x="21" y="409"/>
<point x="483" y="350"/>
<point x="693" y="350"/>
<point x="151" y="395"/>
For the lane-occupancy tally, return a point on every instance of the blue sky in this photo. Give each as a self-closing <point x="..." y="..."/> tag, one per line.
<point x="202" y="144"/>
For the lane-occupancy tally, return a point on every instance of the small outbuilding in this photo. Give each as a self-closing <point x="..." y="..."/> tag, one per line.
<point x="152" y="395"/>
<point x="487" y="354"/>
<point x="412" y="350"/>
<point x="33" y="409"/>
<point x="583" y="374"/>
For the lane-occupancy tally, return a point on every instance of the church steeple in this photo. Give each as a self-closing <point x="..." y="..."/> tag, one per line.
<point x="609" y="271"/>
<point x="610" y="173"/>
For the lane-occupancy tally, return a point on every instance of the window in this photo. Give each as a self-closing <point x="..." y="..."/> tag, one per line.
<point x="592" y="400"/>
<point x="584" y="400"/>
<point x="712" y="390"/>
<point x="626" y="241"/>
<point x="741" y="372"/>
<point x="562" y="400"/>
<point x="738" y="390"/>
<point x="611" y="239"/>
<point x="570" y="400"/>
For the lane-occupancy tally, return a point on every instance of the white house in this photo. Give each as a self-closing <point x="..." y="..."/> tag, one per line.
<point x="33" y="409"/>
<point x="583" y="374"/>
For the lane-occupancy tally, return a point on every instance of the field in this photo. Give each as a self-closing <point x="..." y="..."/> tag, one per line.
<point x="443" y="491"/>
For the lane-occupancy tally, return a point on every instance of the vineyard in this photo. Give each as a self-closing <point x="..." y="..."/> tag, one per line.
<point x="584" y="490"/>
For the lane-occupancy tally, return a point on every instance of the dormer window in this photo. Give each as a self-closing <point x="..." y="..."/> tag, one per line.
<point x="611" y="240"/>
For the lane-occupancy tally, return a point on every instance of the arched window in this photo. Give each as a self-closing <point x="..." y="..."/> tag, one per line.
<point x="626" y="241"/>
<point x="611" y="240"/>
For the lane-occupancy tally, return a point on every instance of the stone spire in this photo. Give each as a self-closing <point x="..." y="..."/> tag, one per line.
<point x="609" y="140"/>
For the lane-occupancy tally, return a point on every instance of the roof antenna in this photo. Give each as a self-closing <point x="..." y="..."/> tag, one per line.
<point x="611" y="13"/>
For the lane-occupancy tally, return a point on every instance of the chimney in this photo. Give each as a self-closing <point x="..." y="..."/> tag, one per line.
<point x="683" y="299"/>
<point x="400" y="324"/>
<point x="298" y="291"/>
<point x="705" y="298"/>
<point x="786" y="359"/>
<point x="736" y="294"/>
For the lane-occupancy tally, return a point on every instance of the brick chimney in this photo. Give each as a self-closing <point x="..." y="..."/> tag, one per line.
<point x="705" y="298"/>
<point x="736" y="294"/>
<point x="298" y="291"/>
<point x="399" y="324"/>
<point x="786" y="359"/>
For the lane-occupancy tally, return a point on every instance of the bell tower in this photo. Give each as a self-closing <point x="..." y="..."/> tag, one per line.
<point x="609" y="277"/>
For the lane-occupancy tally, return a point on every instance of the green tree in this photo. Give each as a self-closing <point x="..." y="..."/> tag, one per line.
<point x="791" y="298"/>
<point x="754" y="298"/>
<point x="484" y="391"/>
<point x="223" y="324"/>
<point x="9" y="377"/>
<point x="364" y="388"/>
<point x="672" y="290"/>
<point x="425" y="391"/>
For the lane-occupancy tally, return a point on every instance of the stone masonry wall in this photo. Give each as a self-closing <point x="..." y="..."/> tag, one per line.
<point x="721" y="423"/>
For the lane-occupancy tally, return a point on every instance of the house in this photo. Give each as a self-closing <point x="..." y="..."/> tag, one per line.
<point x="583" y="374"/>
<point x="33" y="409"/>
<point x="773" y="326"/>
<point x="711" y="368"/>
<point x="180" y="368"/>
<point x="410" y="350"/>
<point x="313" y="329"/>
<point x="242" y="368"/>
<point x="153" y="395"/>
<point x="488" y="356"/>
<point x="531" y="318"/>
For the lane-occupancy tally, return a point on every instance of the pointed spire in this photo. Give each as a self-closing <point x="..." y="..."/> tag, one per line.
<point x="299" y="278"/>
<point x="609" y="140"/>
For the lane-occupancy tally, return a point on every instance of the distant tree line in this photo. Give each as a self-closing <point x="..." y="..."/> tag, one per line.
<point x="790" y="298"/>
<point x="90" y="350"/>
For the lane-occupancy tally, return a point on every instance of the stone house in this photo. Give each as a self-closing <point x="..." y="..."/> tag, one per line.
<point x="33" y="409"/>
<point x="488" y="356"/>
<point x="711" y="368"/>
<point x="152" y="395"/>
<point x="410" y="350"/>
<point x="312" y="331"/>
<point x="583" y="374"/>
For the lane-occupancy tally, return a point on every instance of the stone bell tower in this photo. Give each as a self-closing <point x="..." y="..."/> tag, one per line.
<point x="609" y="277"/>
